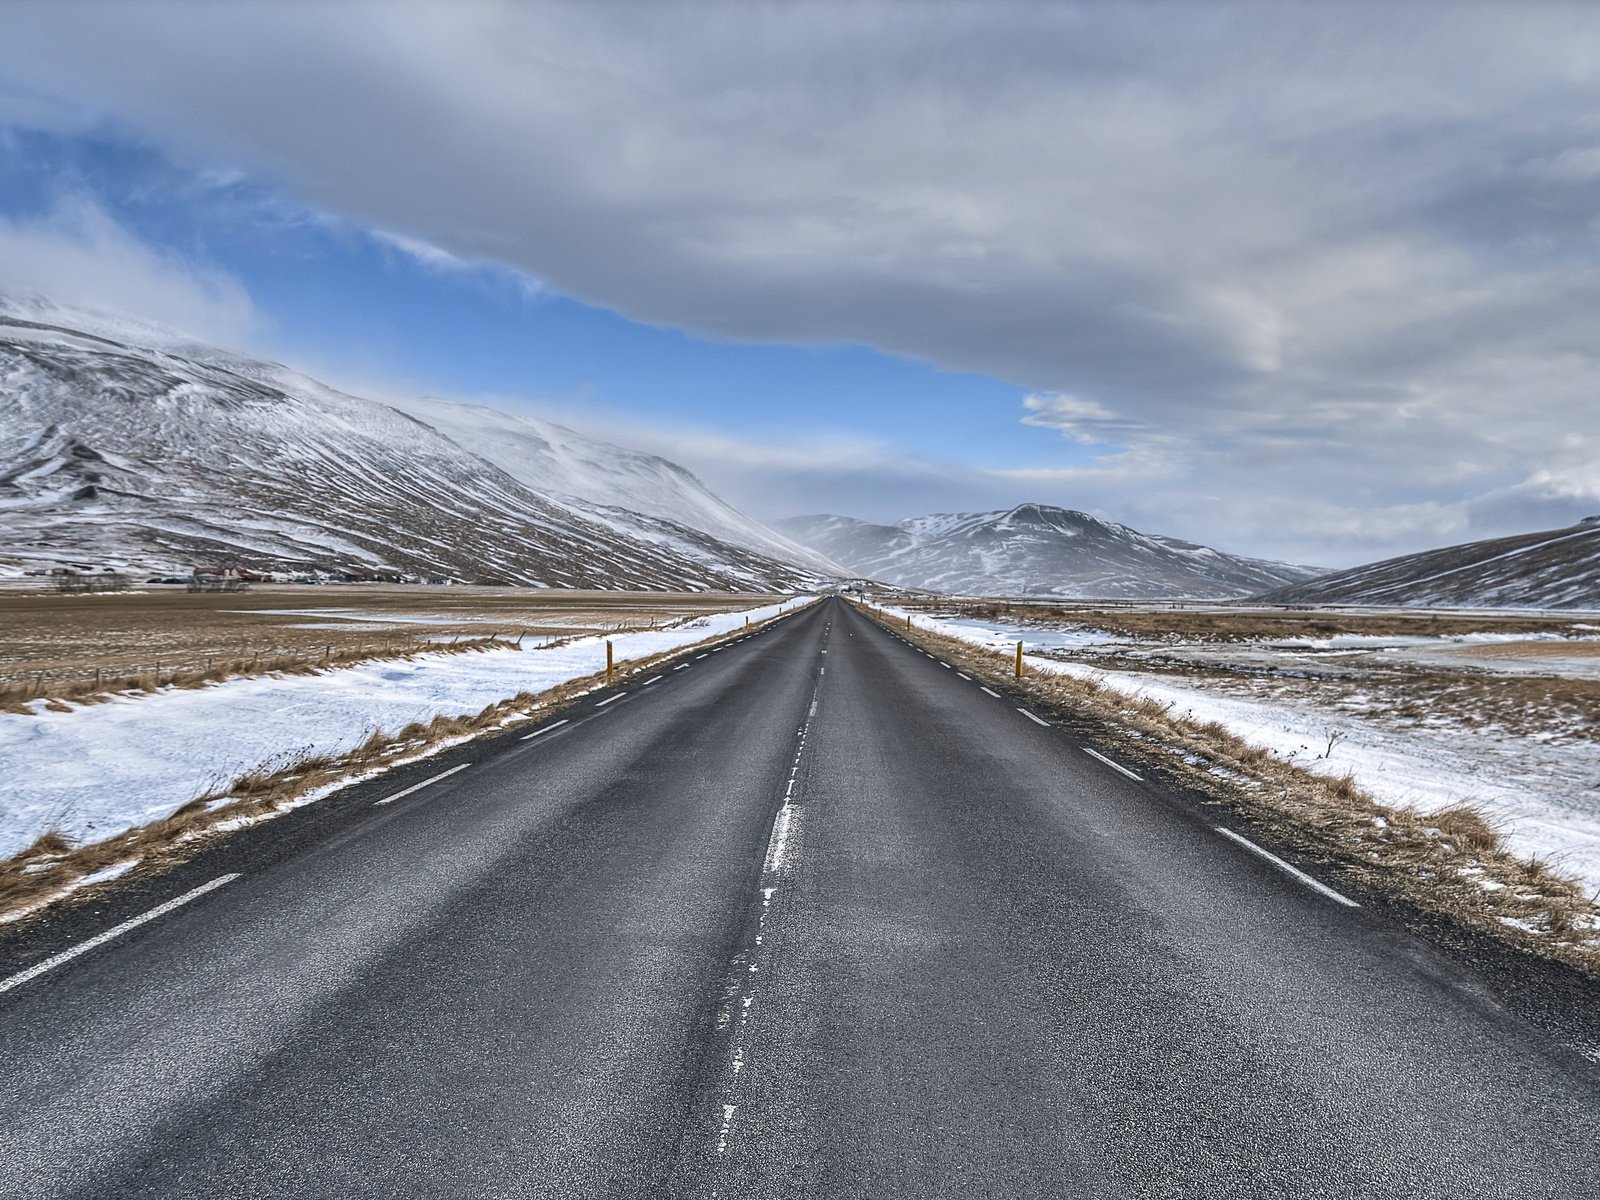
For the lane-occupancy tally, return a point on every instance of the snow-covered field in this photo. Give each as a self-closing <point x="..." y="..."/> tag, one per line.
<point x="1543" y="790"/>
<point x="99" y="769"/>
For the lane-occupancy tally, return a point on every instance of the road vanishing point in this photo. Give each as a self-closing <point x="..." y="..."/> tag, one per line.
<point x="814" y="915"/>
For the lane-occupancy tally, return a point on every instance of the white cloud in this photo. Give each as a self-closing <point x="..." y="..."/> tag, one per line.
<point x="1084" y="421"/>
<point x="1301" y="262"/>
<point x="78" y="255"/>
<point x="433" y="258"/>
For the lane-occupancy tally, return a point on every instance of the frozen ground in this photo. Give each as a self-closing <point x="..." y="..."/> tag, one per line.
<point x="1542" y="787"/>
<point x="99" y="769"/>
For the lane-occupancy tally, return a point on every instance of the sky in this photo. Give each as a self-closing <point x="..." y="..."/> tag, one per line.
<point x="1314" y="282"/>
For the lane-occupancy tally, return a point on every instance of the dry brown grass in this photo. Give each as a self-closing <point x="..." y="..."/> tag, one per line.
<point x="52" y="869"/>
<point x="1451" y="862"/>
<point x="1538" y="700"/>
<point x="81" y="647"/>
<point x="18" y="697"/>
<point x="1154" y="621"/>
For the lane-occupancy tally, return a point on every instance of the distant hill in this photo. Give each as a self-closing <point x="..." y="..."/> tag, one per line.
<point x="1558" y="568"/>
<point x="1036" y="550"/>
<point x="126" y="445"/>
<point x="601" y="481"/>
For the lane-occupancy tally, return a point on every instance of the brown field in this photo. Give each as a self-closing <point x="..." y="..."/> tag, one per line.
<point x="1542" y="688"/>
<point x="54" y="867"/>
<point x="1437" y="860"/>
<point x="1154" y="621"/>
<point x="73" y="646"/>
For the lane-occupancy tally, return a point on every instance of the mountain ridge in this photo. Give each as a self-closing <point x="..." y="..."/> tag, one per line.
<point x="1036" y="549"/>
<point x="1551" y="568"/>
<point x="126" y="444"/>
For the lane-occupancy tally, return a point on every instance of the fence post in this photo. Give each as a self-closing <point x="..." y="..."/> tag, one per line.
<point x="1019" y="660"/>
<point x="611" y="661"/>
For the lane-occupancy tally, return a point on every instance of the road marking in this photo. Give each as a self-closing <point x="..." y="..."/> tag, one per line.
<point x="683" y="666"/>
<point x="417" y="787"/>
<point x="698" y="657"/>
<point x="740" y="986"/>
<point x="947" y="666"/>
<point x="608" y="700"/>
<point x="968" y="678"/>
<point x="546" y="729"/>
<point x="991" y="691"/>
<point x="652" y="679"/>
<point x="1034" y="719"/>
<point x="1112" y="765"/>
<point x="1289" y="869"/>
<point x="100" y="939"/>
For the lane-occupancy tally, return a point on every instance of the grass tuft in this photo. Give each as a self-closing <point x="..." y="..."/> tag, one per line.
<point x="1451" y="862"/>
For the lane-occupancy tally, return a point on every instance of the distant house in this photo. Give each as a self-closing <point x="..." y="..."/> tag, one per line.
<point x="71" y="579"/>
<point x="220" y="579"/>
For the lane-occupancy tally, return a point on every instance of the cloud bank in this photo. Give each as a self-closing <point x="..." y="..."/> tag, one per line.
<point x="1330" y="267"/>
<point x="78" y="255"/>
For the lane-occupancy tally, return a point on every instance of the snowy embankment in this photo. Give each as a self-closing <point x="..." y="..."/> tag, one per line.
<point x="103" y="768"/>
<point x="1544" y="796"/>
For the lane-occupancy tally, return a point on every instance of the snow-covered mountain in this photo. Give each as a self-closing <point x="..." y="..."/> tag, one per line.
<point x="1556" y="568"/>
<point x="123" y="444"/>
<point x="603" y="481"/>
<point x="1036" y="550"/>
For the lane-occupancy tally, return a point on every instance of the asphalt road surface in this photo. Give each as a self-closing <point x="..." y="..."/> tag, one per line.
<point x="813" y="916"/>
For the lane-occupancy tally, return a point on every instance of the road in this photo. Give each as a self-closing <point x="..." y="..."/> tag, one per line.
<point x="814" y="915"/>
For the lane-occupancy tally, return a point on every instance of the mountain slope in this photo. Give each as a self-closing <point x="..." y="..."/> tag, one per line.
<point x="596" y="478"/>
<point x="1556" y="568"/>
<point x="122" y="444"/>
<point x="1035" y="550"/>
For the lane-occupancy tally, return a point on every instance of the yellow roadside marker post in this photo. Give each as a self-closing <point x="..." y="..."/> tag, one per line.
<point x="611" y="662"/>
<point x="1019" y="660"/>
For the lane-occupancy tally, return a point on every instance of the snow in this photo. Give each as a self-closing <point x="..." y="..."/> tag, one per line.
<point x="155" y="453"/>
<point x="1544" y="795"/>
<point x="100" y="769"/>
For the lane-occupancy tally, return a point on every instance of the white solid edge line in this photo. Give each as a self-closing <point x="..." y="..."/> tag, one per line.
<point x="991" y="691"/>
<point x="1034" y="719"/>
<point x="1315" y="885"/>
<point x="607" y="700"/>
<point x="1115" y="766"/>
<point x="417" y="787"/>
<point x="100" y="939"/>
<point x="546" y="729"/>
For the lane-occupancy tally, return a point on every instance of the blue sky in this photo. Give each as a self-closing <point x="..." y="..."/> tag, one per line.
<point x="338" y="297"/>
<point x="1314" y="282"/>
